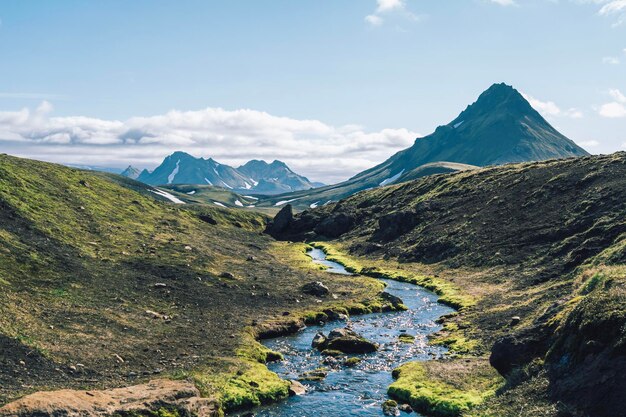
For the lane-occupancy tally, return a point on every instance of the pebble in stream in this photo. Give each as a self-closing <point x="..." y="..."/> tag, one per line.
<point x="358" y="390"/>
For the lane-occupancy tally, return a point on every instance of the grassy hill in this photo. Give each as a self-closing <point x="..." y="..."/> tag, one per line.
<point x="538" y="248"/>
<point x="106" y="284"/>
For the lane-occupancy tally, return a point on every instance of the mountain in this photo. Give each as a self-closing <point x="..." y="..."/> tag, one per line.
<point x="533" y="255"/>
<point x="500" y="127"/>
<point x="274" y="178"/>
<point x="255" y="176"/>
<point x="131" y="172"/>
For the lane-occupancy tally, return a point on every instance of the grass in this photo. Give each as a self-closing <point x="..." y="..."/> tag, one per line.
<point x="449" y="294"/>
<point x="444" y="389"/>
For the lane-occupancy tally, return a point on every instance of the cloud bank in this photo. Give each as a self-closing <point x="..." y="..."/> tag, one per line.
<point x="321" y="151"/>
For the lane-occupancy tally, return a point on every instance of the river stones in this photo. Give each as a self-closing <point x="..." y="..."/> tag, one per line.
<point x="316" y="288"/>
<point x="390" y="408"/>
<point x="314" y="375"/>
<point x="347" y="341"/>
<point x="318" y="340"/>
<point x="296" y="388"/>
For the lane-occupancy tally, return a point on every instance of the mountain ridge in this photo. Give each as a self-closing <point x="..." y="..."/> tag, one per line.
<point x="255" y="176"/>
<point x="499" y="127"/>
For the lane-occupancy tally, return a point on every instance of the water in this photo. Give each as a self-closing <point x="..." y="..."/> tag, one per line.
<point x="361" y="390"/>
<point x="319" y="257"/>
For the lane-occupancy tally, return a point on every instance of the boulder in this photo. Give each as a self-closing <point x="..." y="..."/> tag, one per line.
<point x="348" y="341"/>
<point x="335" y="225"/>
<point x="281" y="221"/>
<point x="319" y="340"/>
<point x="316" y="288"/>
<point x="296" y="388"/>
<point x="390" y="408"/>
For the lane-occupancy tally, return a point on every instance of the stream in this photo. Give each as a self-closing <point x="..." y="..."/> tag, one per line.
<point x="360" y="390"/>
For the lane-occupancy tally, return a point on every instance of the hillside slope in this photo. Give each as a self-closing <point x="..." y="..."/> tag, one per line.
<point x="500" y="127"/>
<point x="542" y="242"/>
<point x="105" y="284"/>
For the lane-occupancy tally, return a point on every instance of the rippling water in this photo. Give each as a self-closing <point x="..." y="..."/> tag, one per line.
<point x="357" y="391"/>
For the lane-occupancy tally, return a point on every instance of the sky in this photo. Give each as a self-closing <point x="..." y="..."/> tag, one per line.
<point x="331" y="87"/>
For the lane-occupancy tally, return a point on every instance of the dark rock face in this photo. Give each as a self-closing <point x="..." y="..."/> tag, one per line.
<point x="512" y="351"/>
<point x="281" y="222"/>
<point x="335" y="225"/>
<point x="587" y="363"/>
<point x="317" y="289"/>
<point x="393" y="225"/>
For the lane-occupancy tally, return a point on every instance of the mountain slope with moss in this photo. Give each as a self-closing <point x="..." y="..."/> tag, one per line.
<point x="541" y="249"/>
<point x="105" y="284"/>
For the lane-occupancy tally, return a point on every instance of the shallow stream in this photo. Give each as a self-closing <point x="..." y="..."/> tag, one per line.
<point x="360" y="390"/>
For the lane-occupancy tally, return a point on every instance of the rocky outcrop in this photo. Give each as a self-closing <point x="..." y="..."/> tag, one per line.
<point x="281" y="222"/>
<point x="148" y="398"/>
<point x="317" y="289"/>
<point x="344" y="340"/>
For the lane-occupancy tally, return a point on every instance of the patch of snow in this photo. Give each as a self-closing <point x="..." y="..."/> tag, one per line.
<point x="217" y="203"/>
<point x="227" y="186"/>
<point x="167" y="195"/>
<point x="328" y="202"/>
<point x="192" y="192"/>
<point x="248" y="186"/>
<point x="251" y="206"/>
<point x="171" y="177"/>
<point x="255" y="183"/>
<point x="391" y="179"/>
<point x="458" y="124"/>
<point x="207" y="181"/>
<point x="216" y="173"/>
<point x="283" y="202"/>
<point x="238" y="203"/>
<point x="249" y="196"/>
<point x="314" y="204"/>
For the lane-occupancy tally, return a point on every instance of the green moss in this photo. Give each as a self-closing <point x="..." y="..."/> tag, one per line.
<point x="406" y="338"/>
<point x="458" y="344"/>
<point x="350" y="362"/>
<point x="433" y="395"/>
<point x="448" y="293"/>
<point x="332" y="352"/>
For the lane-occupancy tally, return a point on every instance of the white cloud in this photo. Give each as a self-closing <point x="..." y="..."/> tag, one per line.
<point x="388" y="9"/>
<point x="374" y="20"/>
<point x="589" y="143"/>
<point x="324" y="152"/>
<point x="611" y="60"/>
<point x="617" y="95"/>
<point x="550" y="108"/>
<point x="614" y="8"/>
<point x="389" y="5"/>
<point x="504" y="2"/>
<point x="616" y="108"/>
<point x="613" y="110"/>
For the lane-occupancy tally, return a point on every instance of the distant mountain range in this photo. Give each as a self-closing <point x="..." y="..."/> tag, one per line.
<point x="500" y="127"/>
<point x="253" y="177"/>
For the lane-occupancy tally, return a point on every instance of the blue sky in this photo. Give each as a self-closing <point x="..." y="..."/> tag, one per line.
<point x="329" y="86"/>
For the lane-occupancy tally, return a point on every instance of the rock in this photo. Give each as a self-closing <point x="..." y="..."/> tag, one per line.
<point x="351" y="362"/>
<point x="348" y="341"/>
<point x="317" y="289"/>
<point x="393" y="225"/>
<point x="390" y="408"/>
<point x="335" y="226"/>
<point x="281" y="221"/>
<point x="188" y="247"/>
<point x="315" y="375"/>
<point x="227" y="275"/>
<point x="160" y="285"/>
<point x="319" y="340"/>
<point x="396" y="302"/>
<point x="406" y="338"/>
<point x="251" y="258"/>
<point x="296" y="388"/>
<point x="515" y="320"/>
<point x="144" y="399"/>
<point x="330" y="352"/>
<point x="405" y="408"/>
